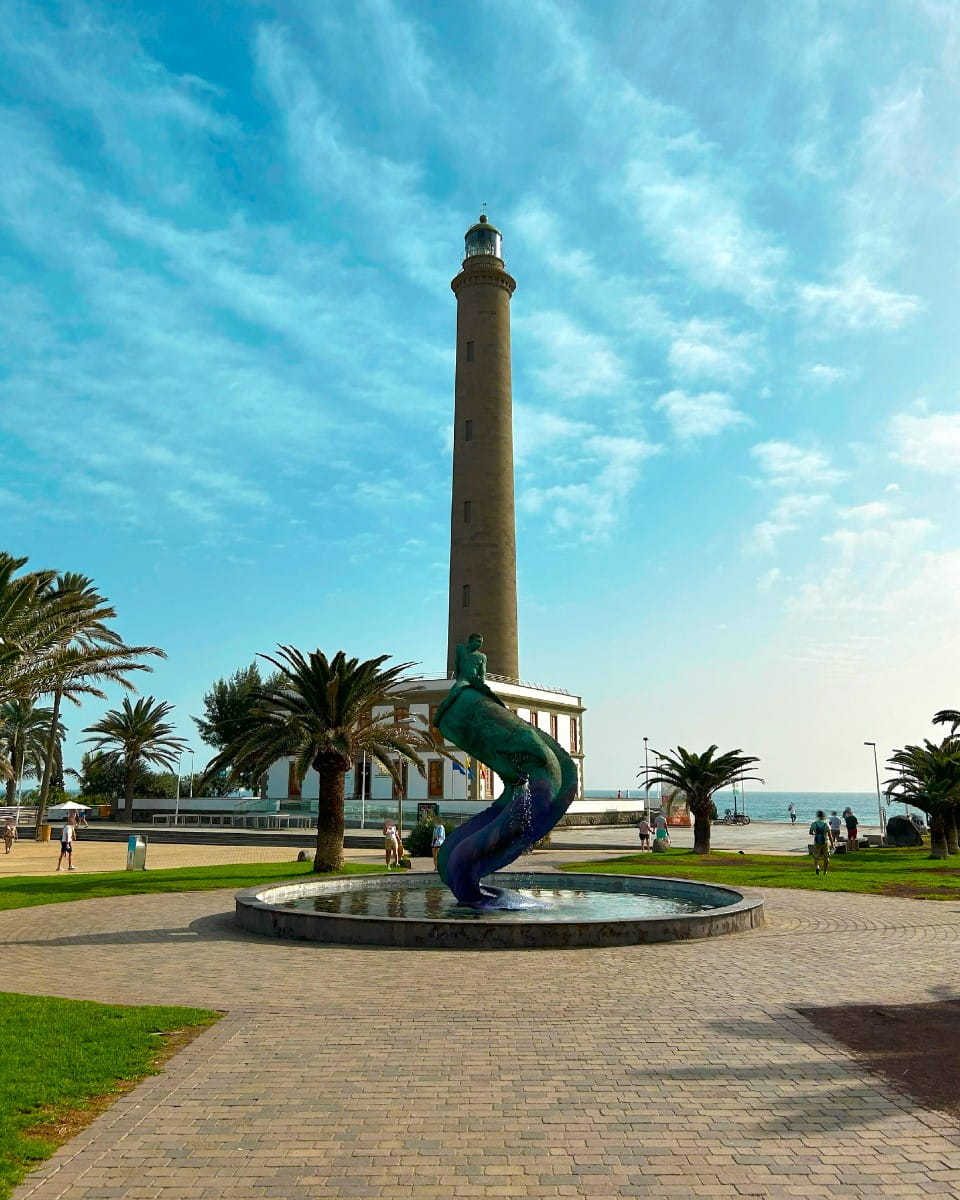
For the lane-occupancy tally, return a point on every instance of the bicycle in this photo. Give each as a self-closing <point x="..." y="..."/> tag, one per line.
<point x="735" y="818"/>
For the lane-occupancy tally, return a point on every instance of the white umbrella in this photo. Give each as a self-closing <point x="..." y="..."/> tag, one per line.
<point x="73" y="806"/>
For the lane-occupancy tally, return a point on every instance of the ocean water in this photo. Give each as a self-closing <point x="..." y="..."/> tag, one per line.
<point x="772" y="806"/>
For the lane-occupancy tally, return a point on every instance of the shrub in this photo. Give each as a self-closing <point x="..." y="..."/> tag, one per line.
<point x="419" y="840"/>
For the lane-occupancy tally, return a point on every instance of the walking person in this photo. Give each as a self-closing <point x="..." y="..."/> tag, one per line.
<point x="644" y="830"/>
<point x="391" y="843"/>
<point x="834" y="822"/>
<point x="792" y="812"/>
<point x="820" y="832"/>
<point x="853" y="829"/>
<point x="437" y="839"/>
<point x="68" y="837"/>
<point x="10" y="835"/>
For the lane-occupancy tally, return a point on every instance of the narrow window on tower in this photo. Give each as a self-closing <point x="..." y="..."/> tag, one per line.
<point x="469" y="351"/>
<point x="467" y="511"/>
<point x="466" y="595"/>
<point x="468" y="431"/>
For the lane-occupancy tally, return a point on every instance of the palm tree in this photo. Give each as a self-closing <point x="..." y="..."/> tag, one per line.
<point x="90" y="653"/>
<point x="23" y="739"/>
<point x="928" y="777"/>
<point x="699" y="776"/>
<point x="134" y="735"/>
<point x="320" y="711"/>
<point x="948" y="716"/>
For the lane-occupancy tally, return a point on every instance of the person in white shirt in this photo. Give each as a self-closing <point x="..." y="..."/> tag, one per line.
<point x="68" y="836"/>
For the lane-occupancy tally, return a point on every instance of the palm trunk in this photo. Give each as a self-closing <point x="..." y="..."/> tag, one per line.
<point x="129" y="779"/>
<point x="701" y="829"/>
<point x="16" y="763"/>
<point x="49" y="759"/>
<point x="329" y="855"/>
<point x="938" y="835"/>
<point x="950" y="824"/>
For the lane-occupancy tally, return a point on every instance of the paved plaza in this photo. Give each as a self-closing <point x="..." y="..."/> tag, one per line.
<point x="675" y="1070"/>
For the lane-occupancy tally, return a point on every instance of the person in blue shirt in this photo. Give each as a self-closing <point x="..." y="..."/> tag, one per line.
<point x="439" y="836"/>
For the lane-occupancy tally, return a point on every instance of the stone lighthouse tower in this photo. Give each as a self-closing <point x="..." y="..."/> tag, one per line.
<point x="483" y="541"/>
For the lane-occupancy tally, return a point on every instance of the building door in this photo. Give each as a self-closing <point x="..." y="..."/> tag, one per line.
<point x="435" y="778"/>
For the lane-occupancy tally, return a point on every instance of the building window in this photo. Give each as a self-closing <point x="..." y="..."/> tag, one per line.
<point x="401" y="712"/>
<point x="469" y="351"/>
<point x="468" y="430"/>
<point x="466" y="595"/>
<point x="433" y="713"/>
<point x="435" y="778"/>
<point x="467" y="511"/>
<point x="574" y="736"/>
<point x="293" y="782"/>
<point x="553" y="726"/>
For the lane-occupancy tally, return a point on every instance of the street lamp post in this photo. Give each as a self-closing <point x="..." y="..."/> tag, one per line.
<point x="176" y="809"/>
<point x="646" y="781"/>
<point x="876" y="771"/>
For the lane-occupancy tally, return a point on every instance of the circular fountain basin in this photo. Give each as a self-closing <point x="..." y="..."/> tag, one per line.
<point x="565" y="910"/>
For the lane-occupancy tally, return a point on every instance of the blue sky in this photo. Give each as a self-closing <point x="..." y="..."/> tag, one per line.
<point x="227" y="232"/>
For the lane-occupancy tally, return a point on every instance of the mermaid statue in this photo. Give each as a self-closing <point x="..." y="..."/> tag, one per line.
<point x="540" y="780"/>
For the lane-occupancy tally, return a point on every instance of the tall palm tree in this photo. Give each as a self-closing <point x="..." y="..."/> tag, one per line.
<point x="320" y="712"/>
<point x="134" y="735"/>
<point x="928" y="777"/>
<point x="948" y="716"/>
<point x="89" y="654"/>
<point x="23" y="739"/>
<point x="699" y="776"/>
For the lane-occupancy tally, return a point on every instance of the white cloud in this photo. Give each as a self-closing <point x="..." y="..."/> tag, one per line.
<point x="696" y="222"/>
<point x="589" y="509"/>
<point x="893" y="538"/>
<point x="857" y="303"/>
<point x="929" y="441"/>
<point x="536" y="430"/>
<point x="711" y="350"/>
<point x="769" y="579"/>
<point x="874" y="510"/>
<point x="703" y="415"/>
<point x="786" y="465"/>
<point x="823" y="375"/>
<point x="579" y="363"/>
<point x="786" y="516"/>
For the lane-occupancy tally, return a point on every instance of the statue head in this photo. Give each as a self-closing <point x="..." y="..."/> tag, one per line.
<point x="475" y="641"/>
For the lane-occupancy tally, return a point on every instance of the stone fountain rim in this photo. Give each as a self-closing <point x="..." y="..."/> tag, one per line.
<point x="256" y="913"/>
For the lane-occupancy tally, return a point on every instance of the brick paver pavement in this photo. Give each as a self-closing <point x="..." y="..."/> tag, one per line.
<point x="671" y="1071"/>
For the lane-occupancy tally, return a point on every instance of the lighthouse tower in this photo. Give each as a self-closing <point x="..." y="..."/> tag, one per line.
<point x="483" y="540"/>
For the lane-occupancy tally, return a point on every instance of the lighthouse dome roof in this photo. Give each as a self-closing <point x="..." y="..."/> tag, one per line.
<point x="482" y="238"/>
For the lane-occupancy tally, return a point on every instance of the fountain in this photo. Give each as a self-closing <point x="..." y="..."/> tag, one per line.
<point x="465" y="910"/>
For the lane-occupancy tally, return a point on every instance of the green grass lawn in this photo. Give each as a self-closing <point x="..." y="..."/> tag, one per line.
<point x="884" y="872"/>
<point x="65" y="1061"/>
<point x="22" y="891"/>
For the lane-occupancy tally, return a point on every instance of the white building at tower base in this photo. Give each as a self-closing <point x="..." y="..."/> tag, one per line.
<point x="456" y="785"/>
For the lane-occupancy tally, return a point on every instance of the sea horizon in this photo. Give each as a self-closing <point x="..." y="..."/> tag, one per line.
<point x="772" y="805"/>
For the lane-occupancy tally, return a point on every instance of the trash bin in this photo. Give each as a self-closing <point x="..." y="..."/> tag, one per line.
<point x="136" y="852"/>
<point x="44" y="832"/>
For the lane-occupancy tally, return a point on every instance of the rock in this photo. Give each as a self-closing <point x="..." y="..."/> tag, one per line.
<point x="304" y="856"/>
<point x="901" y="831"/>
<point x="659" y="846"/>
